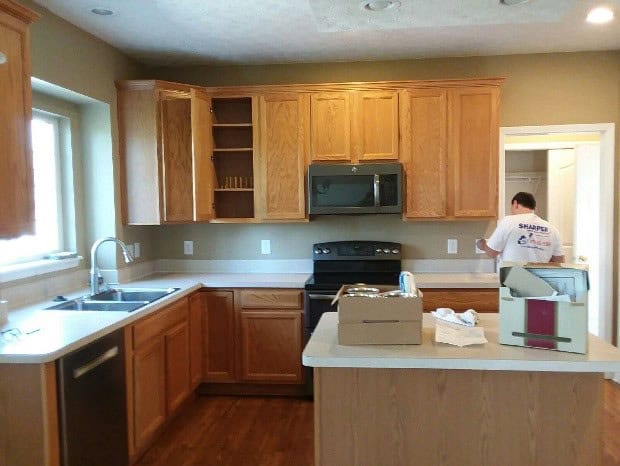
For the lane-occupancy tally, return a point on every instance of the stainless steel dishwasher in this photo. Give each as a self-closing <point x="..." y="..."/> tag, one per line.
<point x="92" y="404"/>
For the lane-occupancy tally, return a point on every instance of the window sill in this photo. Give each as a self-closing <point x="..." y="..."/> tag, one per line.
<point x="9" y="273"/>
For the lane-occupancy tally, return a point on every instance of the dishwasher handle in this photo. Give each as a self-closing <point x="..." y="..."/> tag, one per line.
<point x="89" y="366"/>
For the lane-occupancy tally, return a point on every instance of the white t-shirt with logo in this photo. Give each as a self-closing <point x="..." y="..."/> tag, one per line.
<point x="525" y="238"/>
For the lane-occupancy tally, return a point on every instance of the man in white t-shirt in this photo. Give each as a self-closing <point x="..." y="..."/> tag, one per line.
<point x="524" y="236"/>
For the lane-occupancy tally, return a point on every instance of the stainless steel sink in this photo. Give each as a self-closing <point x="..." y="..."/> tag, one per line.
<point x="88" y="305"/>
<point x="117" y="299"/>
<point x="133" y="294"/>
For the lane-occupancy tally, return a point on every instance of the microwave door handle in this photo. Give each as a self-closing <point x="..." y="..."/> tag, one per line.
<point x="377" y="191"/>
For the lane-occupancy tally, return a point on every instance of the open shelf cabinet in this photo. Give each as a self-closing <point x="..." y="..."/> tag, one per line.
<point x="233" y="131"/>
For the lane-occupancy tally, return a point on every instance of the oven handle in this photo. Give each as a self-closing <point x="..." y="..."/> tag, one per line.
<point x="325" y="297"/>
<point x="377" y="191"/>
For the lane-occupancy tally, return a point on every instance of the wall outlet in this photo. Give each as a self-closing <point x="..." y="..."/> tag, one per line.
<point x="453" y="246"/>
<point x="188" y="248"/>
<point x="476" y="248"/>
<point x="131" y="249"/>
<point x="265" y="246"/>
<point x="136" y="250"/>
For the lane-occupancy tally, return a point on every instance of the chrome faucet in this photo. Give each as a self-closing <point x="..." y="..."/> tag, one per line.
<point x="95" y="277"/>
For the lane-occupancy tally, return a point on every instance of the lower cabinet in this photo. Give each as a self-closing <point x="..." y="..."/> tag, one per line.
<point x="461" y="299"/>
<point x="253" y="336"/>
<point x="159" y="366"/>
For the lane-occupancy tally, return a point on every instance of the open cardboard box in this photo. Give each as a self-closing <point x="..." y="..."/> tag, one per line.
<point x="528" y="316"/>
<point x="379" y="321"/>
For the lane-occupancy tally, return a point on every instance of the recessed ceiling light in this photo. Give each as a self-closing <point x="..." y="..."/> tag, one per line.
<point x="512" y="2"/>
<point x="102" y="11"/>
<point x="380" y="5"/>
<point x="600" y="15"/>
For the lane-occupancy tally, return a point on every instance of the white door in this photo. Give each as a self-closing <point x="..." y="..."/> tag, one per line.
<point x="587" y="224"/>
<point x="561" y="196"/>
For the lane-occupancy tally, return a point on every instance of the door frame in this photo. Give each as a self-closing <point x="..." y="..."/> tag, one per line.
<point x="606" y="245"/>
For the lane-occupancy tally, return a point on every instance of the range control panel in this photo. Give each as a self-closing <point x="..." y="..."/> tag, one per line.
<point x="356" y="250"/>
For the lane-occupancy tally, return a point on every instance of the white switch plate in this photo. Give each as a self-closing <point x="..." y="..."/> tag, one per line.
<point x="265" y="246"/>
<point x="453" y="246"/>
<point x="476" y="248"/>
<point x="188" y="248"/>
<point x="136" y="250"/>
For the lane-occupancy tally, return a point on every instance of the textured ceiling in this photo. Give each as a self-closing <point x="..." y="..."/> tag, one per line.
<point x="191" y="32"/>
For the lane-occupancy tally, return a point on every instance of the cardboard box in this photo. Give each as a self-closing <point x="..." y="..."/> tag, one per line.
<point x="550" y="322"/>
<point x="379" y="321"/>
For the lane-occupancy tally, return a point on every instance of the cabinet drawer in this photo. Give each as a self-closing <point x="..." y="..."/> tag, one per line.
<point x="461" y="299"/>
<point x="155" y="325"/>
<point x="271" y="299"/>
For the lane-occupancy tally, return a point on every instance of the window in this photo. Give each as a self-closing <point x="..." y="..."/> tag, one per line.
<point x="48" y="237"/>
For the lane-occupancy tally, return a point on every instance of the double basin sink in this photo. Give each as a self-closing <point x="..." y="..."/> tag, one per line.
<point x="117" y="299"/>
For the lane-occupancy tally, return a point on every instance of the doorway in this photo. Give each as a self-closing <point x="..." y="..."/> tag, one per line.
<point x="569" y="169"/>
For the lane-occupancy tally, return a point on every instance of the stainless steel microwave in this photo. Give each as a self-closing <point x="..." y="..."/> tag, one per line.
<point x="374" y="188"/>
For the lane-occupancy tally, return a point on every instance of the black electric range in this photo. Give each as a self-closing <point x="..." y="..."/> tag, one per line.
<point x="340" y="263"/>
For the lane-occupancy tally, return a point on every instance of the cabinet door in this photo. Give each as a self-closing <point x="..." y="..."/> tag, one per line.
<point x="149" y="382"/>
<point x="271" y="346"/>
<point x="16" y="176"/>
<point x="375" y="125"/>
<point x="423" y="119"/>
<point x="218" y="320"/>
<point x="474" y="140"/>
<point x="177" y="366"/>
<point x="284" y="120"/>
<point x="176" y="138"/>
<point x="202" y="147"/>
<point x="330" y="130"/>
<point x="196" y="309"/>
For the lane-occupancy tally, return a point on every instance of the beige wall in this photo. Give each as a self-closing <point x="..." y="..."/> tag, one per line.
<point x="539" y="90"/>
<point x="70" y="58"/>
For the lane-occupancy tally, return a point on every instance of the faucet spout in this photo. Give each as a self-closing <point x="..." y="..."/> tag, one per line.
<point x="94" y="269"/>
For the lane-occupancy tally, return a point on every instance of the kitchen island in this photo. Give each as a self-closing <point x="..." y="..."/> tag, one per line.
<point x="435" y="404"/>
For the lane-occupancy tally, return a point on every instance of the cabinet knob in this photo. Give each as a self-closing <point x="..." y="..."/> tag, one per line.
<point x="3" y="58"/>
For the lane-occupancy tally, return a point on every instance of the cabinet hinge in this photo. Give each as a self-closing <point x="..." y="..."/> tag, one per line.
<point x="213" y="158"/>
<point x="210" y="109"/>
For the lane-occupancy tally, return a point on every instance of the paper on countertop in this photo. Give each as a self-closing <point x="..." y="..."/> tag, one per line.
<point x="458" y="335"/>
<point x="468" y="318"/>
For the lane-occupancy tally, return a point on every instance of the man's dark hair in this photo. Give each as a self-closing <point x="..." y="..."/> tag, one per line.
<point x="525" y="199"/>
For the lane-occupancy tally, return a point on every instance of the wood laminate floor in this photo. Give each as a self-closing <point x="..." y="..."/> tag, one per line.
<point x="266" y="431"/>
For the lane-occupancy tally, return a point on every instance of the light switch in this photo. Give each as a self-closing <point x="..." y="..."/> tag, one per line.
<point x="188" y="248"/>
<point x="453" y="246"/>
<point x="136" y="250"/>
<point x="265" y="246"/>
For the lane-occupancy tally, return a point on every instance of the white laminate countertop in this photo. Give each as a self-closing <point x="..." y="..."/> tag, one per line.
<point x="323" y="350"/>
<point x="57" y="333"/>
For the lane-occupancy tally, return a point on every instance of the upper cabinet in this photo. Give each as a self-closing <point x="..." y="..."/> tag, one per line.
<point x="16" y="175"/>
<point x="233" y="130"/>
<point x="240" y="154"/>
<point x="282" y="161"/>
<point x="165" y="156"/>
<point x="450" y="151"/>
<point x="354" y="126"/>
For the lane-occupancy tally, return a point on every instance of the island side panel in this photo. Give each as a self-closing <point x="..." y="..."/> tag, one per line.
<point x="365" y="417"/>
<point x="28" y="415"/>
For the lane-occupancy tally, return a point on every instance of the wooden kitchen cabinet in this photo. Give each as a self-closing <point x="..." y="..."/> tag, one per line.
<point x="165" y="150"/>
<point x="159" y="363"/>
<point x="450" y="152"/>
<point x="218" y="321"/>
<point x="375" y="125"/>
<point x="461" y="299"/>
<point x="283" y="155"/>
<point x="16" y="173"/>
<point x="271" y="336"/>
<point x="233" y="130"/>
<point x="196" y="306"/>
<point x="354" y="126"/>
